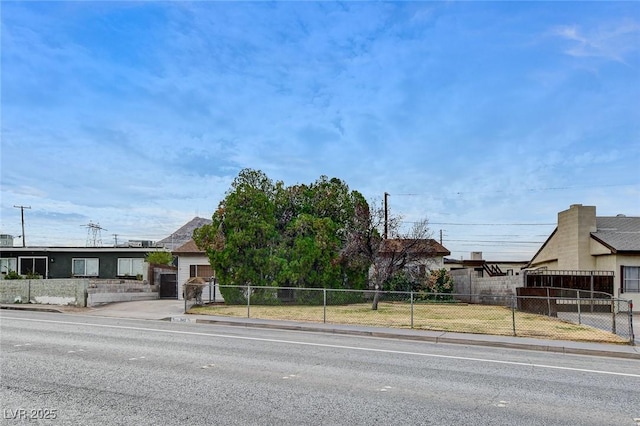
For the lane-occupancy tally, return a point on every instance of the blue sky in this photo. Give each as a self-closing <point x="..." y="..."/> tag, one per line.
<point x="486" y="118"/>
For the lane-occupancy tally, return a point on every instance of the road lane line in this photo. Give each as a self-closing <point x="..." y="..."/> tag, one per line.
<point x="324" y="345"/>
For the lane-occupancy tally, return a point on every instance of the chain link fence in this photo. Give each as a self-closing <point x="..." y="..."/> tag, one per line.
<point x="566" y="315"/>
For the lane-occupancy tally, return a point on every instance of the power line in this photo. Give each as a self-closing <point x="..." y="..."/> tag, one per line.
<point x="487" y="224"/>
<point x="498" y="241"/>
<point x="500" y="191"/>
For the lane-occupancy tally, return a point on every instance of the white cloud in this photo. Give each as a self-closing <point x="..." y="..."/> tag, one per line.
<point x="611" y="41"/>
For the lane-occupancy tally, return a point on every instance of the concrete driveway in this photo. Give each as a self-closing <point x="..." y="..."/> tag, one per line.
<point x="143" y="309"/>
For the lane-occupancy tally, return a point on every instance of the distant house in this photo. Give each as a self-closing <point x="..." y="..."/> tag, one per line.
<point x="599" y="245"/>
<point x="419" y="256"/>
<point x="75" y="262"/>
<point x="486" y="268"/>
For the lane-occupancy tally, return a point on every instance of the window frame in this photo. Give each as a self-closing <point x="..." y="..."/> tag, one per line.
<point x="132" y="270"/>
<point x="194" y="271"/>
<point x="33" y="259"/>
<point x="85" y="272"/>
<point x="626" y="277"/>
<point x="6" y="262"/>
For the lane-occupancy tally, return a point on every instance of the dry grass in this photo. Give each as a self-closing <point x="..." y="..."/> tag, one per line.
<point x="459" y="318"/>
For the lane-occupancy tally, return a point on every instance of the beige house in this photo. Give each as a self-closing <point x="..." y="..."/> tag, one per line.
<point x="583" y="241"/>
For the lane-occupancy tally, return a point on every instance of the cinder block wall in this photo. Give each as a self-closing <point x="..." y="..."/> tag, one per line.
<point x="485" y="289"/>
<point x="54" y="292"/>
<point x="78" y="292"/>
<point x="101" y="292"/>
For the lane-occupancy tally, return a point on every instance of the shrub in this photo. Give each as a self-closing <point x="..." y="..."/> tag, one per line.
<point x="12" y="275"/>
<point x="264" y="296"/>
<point x="437" y="286"/>
<point x="233" y="295"/>
<point x="400" y="282"/>
<point x="346" y="297"/>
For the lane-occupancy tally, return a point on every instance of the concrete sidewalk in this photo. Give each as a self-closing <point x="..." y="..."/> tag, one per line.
<point x="173" y="310"/>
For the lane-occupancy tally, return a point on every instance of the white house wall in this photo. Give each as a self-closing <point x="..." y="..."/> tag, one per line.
<point x="184" y="268"/>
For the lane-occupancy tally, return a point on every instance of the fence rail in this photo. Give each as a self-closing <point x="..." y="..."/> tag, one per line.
<point x="556" y="317"/>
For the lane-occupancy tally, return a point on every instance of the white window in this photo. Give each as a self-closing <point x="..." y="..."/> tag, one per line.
<point x="8" y="264"/>
<point x="631" y="279"/>
<point x="85" y="267"/>
<point x="130" y="266"/>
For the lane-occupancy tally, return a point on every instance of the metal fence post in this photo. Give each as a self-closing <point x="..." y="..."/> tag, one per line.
<point x="513" y="313"/>
<point x="324" y="305"/>
<point x="613" y="316"/>
<point x="548" y="302"/>
<point x="579" y="311"/>
<point x="632" y="337"/>
<point x="249" y="301"/>
<point x="412" y="309"/>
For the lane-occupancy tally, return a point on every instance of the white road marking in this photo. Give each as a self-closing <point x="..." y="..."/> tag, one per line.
<point x="24" y="344"/>
<point x="290" y="376"/>
<point x="135" y="359"/>
<point x="386" y="388"/>
<point x="208" y="366"/>
<point x="502" y="403"/>
<point x="324" y="345"/>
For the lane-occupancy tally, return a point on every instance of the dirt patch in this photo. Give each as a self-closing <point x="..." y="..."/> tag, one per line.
<point x="458" y="318"/>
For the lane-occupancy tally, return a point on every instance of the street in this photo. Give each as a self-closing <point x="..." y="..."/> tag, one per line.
<point x="75" y="369"/>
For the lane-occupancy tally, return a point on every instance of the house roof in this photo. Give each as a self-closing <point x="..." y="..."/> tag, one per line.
<point x="65" y="249"/>
<point x="189" y="247"/>
<point x="619" y="233"/>
<point x="422" y="246"/>
<point x="184" y="234"/>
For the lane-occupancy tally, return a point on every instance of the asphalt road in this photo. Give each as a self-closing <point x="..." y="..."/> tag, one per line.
<point x="92" y="370"/>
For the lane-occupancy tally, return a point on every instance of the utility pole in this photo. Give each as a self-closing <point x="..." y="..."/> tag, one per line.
<point x="115" y="237"/>
<point x="441" y="237"/>
<point x="24" y="244"/>
<point x="386" y="215"/>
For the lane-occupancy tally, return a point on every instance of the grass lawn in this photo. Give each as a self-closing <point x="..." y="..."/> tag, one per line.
<point x="459" y="318"/>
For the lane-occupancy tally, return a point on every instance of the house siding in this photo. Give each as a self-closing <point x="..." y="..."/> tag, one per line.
<point x="184" y="267"/>
<point x="60" y="260"/>
<point x="573" y="247"/>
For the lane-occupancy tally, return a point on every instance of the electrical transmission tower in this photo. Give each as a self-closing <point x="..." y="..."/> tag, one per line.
<point x="94" y="236"/>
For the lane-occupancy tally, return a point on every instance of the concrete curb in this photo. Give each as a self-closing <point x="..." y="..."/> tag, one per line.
<point x="26" y="307"/>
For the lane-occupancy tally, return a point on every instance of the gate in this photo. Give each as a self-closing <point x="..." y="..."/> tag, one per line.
<point x="168" y="286"/>
<point x="586" y="281"/>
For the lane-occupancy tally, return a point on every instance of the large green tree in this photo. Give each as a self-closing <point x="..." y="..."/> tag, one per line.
<point x="267" y="234"/>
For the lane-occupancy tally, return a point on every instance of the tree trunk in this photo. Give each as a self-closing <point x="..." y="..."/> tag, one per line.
<point x="376" y="299"/>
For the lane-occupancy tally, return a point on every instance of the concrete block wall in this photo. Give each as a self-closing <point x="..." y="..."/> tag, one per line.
<point x="487" y="290"/>
<point x="53" y="292"/>
<point x="109" y="291"/>
<point x="77" y="292"/>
